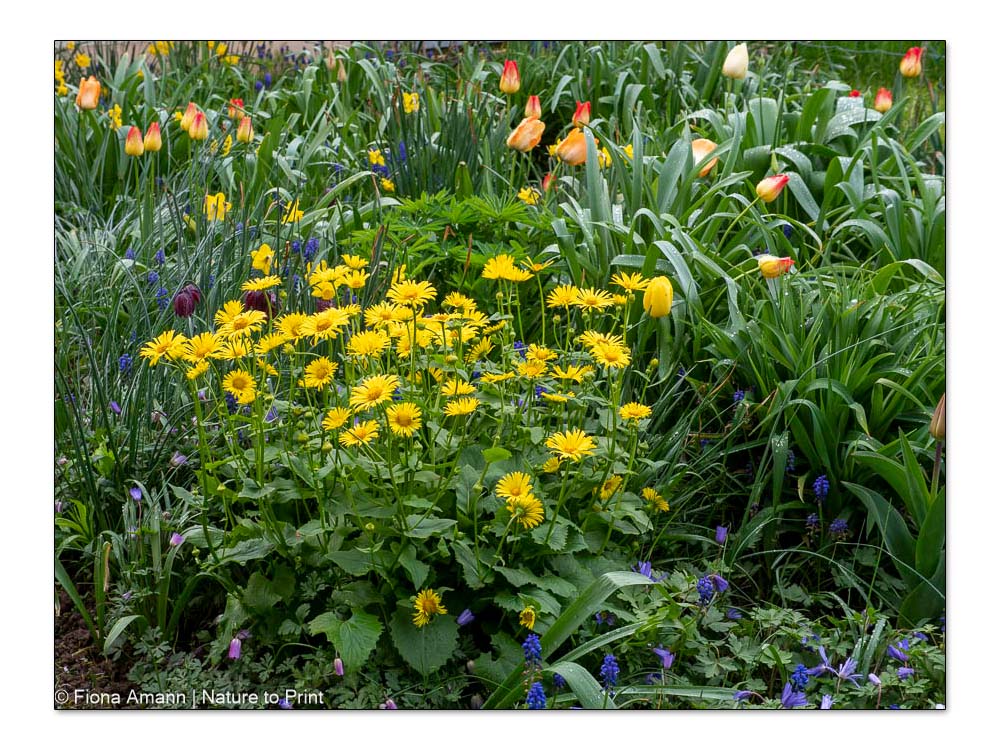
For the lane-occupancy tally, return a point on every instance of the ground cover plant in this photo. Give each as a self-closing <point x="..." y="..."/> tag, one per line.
<point x="537" y="375"/>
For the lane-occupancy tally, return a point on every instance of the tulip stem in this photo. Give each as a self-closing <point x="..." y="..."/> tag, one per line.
<point x="735" y="220"/>
<point x="935" y="471"/>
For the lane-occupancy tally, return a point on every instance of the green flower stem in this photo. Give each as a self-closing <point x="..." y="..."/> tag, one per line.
<point x="559" y="505"/>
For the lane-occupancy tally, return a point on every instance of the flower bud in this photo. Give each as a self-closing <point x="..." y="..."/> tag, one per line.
<point x="510" y="80"/>
<point x="261" y="300"/>
<point x="527" y="135"/>
<point x="548" y="182"/>
<point x="189" y="116"/>
<point x="735" y="65"/>
<point x="582" y="116"/>
<point x="721" y="535"/>
<point x="533" y="108"/>
<point x="855" y="93"/>
<point x="772" y="267"/>
<point x="153" y="142"/>
<point x="134" y="142"/>
<point x="338" y="666"/>
<point x="199" y="129"/>
<point x="937" y="425"/>
<point x="701" y="148"/>
<point x="193" y="290"/>
<point x="658" y="297"/>
<point x="235" y="108"/>
<point x="769" y="188"/>
<point x="245" y="130"/>
<point x="184" y="305"/>
<point x="235" y="647"/>
<point x="884" y="100"/>
<point x="910" y="64"/>
<point x="88" y="94"/>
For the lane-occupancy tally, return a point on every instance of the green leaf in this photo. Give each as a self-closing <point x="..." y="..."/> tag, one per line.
<point x="355" y="562"/>
<point x="425" y="649"/>
<point x="115" y="631"/>
<point x="931" y="538"/>
<point x="897" y="539"/>
<point x="417" y="570"/>
<point x="467" y="559"/>
<point x="587" y="690"/>
<point x="259" y="594"/>
<point x="423" y="528"/>
<point x="354" y="638"/>
<point x="496" y="454"/>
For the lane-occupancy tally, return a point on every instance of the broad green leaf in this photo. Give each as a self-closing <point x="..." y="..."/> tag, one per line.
<point x="587" y="690"/>
<point x="428" y="648"/>
<point x="354" y="638"/>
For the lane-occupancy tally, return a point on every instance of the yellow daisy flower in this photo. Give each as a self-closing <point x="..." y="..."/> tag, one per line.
<point x="540" y="354"/>
<point x="201" y="346"/>
<point x="573" y="445"/>
<point x="634" y="411"/>
<point x="426" y="604"/>
<point x="336" y="418"/>
<point x="480" y="350"/>
<point x="526" y="510"/>
<point x="267" y="282"/>
<point x="233" y="349"/>
<point x="593" y="299"/>
<point x="573" y="373"/>
<point x="361" y="434"/>
<point x="385" y="313"/>
<point x="368" y="343"/>
<point x="241" y="385"/>
<point x="527" y="617"/>
<point x="290" y="325"/>
<point x="514" y="485"/>
<point x="631" y="282"/>
<point x="269" y="342"/>
<point x="531" y="368"/>
<point x="655" y="498"/>
<point x="496" y="377"/>
<point x="319" y="373"/>
<point x="610" y="356"/>
<point x="354" y="262"/>
<point x="459" y="300"/>
<point x="373" y="391"/>
<point x="609" y="486"/>
<point x="168" y="344"/>
<point x="404" y="419"/>
<point x="552" y="464"/>
<point x="562" y="297"/>
<point x="464" y="406"/>
<point x="455" y="387"/>
<point x="412" y="294"/>
<point x="197" y="370"/>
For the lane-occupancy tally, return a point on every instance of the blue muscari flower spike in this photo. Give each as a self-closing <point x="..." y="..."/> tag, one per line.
<point x="125" y="363"/>
<point x="310" y="250"/>
<point x="609" y="670"/>
<point x="813" y="522"/>
<point x="152" y="277"/>
<point x="821" y="486"/>
<point x="539" y="391"/>
<point x="799" y="677"/>
<point x="838" y="528"/>
<point x="520" y="348"/>
<point x="787" y="230"/>
<point x="296" y="246"/>
<point x="533" y="649"/>
<point x="536" y="698"/>
<point x="130" y="254"/>
<point x="705" y="589"/>
<point x="231" y="404"/>
<point x="258" y="85"/>
<point x="160" y="257"/>
<point x="475" y="375"/>
<point x="162" y="297"/>
<point x="738" y="396"/>
<point x="267" y="79"/>
<point x="559" y="681"/>
<point x="790" y="461"/>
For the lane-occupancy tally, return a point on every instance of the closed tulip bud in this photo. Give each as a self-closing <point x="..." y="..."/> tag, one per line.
<point x="735" y="65"/>
<point x="153" y="142"/>
<point x="533" y="108"/>
<point x="134" y="142"/>
<point x="582" y="116"/>
<point x="773" y="267"/>
<point x="245" y="130"/>
<point x="235" y="108"/>
<point x="189" y="116"/>
<point x="547" y="182"/>
<point x="527" y="135"/>
<point x="769" y="188"/>
<point x="658" y="297"/>
<point x="937" y="425"/>
<point x="701" y="148"/>
<point x="884" y="100"/>
<point x="89" y="93"/>
<point x="510" y="80"/>
<point x="199" y="129"/>
<point x="573" y="148"/>
<point x="910" y="64"/>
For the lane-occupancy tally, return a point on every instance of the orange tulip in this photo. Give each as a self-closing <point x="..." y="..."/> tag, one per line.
<point x="769" y="188"/>
<point x="548" y="182"/>
<point x="910" y="65"/>
<point x="527" y="135"/>
<point x="583" y="114"/>
<point x="199" y="129"/>
<point x="89" y="93"/>
<point x="573" y="148"/>
<point x="245" y="130"/>
<point x="701" y="148"/>
<point x="772" y="267"/>
<point x="884" y="100"/>
<point x="510" y="80"/>
<point x="189" y="116"/>
<point x="134" y="142"/>
<point x="235" y="108"/>
<point x="152" y="141"/>
<point x="533" y="108"/>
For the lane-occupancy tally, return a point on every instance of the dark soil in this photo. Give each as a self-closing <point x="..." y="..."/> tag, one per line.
<point x="82" y="674"/>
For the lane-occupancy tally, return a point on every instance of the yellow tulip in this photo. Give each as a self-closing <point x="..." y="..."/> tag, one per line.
<point x="527" y="135"/>
<point x="134" y="142"/>
<point x="658" y="297"/>
<point x="937" y="425"/>
<point x="772" y="267"/>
